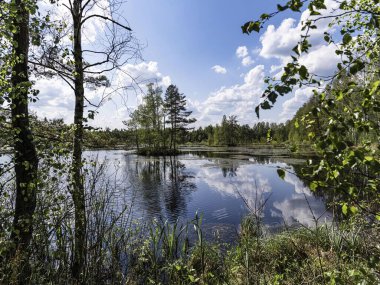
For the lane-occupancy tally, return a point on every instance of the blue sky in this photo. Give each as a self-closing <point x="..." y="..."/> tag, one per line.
<point x="188" y="37"/>
<point x="198" y="45"/>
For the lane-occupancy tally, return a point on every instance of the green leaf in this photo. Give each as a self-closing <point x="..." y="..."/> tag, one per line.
<point x="251" y="26"/>
<point x="257" y="111"/>
<point x="272" y="97"/>
<point x="347" y="38"/>
<point x="296" y="124"/>
<point x="281" y="173"/>
<point x="281" y="8"/>
<point x="313" y="185"/>
<point x="344" y="209"/>
<point x="335" y="173"/>
<point x="314" y="13"/>
<point x="265" y="105"/>
<point x="303" y="72"/>
<point x="368" y="158"/>
<point x="353" y="209"/>
<point x="264" y="16"/>
<point x="356" y="67"/>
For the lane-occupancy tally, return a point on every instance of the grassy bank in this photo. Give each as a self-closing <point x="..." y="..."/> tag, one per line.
<point x="324" y="255"/>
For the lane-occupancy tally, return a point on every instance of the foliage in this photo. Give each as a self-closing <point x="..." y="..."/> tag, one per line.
<point x="148" y="122"/>
<point x="177" y="115"/>
<point x="344" y="123"/>
<point x="231" y="133"/>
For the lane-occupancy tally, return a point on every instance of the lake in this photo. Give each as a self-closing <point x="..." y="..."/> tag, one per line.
<point x="223" y="187"/>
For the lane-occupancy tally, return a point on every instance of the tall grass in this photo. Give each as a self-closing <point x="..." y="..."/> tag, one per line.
<point x="123" y="251"/>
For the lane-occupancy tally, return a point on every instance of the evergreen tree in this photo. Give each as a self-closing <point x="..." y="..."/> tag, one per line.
<point x="177" y="114"/>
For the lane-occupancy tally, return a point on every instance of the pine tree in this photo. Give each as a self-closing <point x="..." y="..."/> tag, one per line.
<point x="177" y="114"/>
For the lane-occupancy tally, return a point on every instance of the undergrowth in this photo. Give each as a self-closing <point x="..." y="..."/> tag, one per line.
<point x="348" y="254"/>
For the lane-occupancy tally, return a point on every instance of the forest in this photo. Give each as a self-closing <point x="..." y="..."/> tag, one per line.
<point x="65" y="217"/>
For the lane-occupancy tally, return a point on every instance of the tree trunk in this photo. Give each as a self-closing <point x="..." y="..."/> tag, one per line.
<point x="175" y="132"/>
<point x="137" y="139"/>
<point x="26" y="161"/>
<point x="78" y="193"/>
<point x="163" y="135"/>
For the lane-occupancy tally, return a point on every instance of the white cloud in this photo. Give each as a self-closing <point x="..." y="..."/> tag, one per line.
<point x="301" y="207"/>
<point x="219" y="69"/>
<point x="290" y="106"/>
<point x="242" y="52"/>
<point x="56" y="98"/>
<point x="275" y="68"/>
<point x="240" y="99"/>
<point x="92" y="28"/>
<point x="142" y="74"/>
<point x="247" y="61"/>
<point x="321" y="61"/>
<point x="256" y="50"/>
<point x="278" y="42"/>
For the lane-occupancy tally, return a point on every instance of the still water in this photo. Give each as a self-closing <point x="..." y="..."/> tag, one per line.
<point x="223" y="188"/>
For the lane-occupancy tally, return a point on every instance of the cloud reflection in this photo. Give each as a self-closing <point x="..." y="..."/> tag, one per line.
<point x="289" y="201"/>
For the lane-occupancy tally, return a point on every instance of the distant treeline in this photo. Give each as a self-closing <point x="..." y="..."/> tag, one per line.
<point x="141" y="132"/>
<point x="228" y="133"/>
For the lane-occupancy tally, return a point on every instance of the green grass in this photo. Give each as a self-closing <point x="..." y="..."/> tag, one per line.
<point x="325" y="255"/>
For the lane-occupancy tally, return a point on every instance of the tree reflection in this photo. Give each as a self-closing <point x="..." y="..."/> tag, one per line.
<point x="161" y="186"/>
<point x="178" y="187"/>
<point x="229" y="171"/>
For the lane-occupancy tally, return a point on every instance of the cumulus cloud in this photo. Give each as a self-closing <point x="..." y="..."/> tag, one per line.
<point x="290" y="106"/>
<point x="240" y="99"/>
<point x="56" y="98"/>
<point x="247" y="61"/>
<point x="242" y="52"/>
<point x="219" y="69"/>
<point x="277" y="43"/>
<point x="321" y="61"/>
<point x="142" y="73"/>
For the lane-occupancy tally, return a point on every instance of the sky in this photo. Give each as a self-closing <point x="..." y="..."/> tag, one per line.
<point x="198" y="45"/>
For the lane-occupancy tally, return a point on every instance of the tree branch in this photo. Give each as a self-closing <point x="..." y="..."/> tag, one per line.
<point x="107" y="19"/>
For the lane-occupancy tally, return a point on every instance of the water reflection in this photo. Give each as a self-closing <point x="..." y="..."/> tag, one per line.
<point x="162" y="186"/>
<point x="224" y="189"/>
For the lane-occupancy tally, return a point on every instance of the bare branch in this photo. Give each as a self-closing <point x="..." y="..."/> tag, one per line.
<point x="107" y="19"/>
